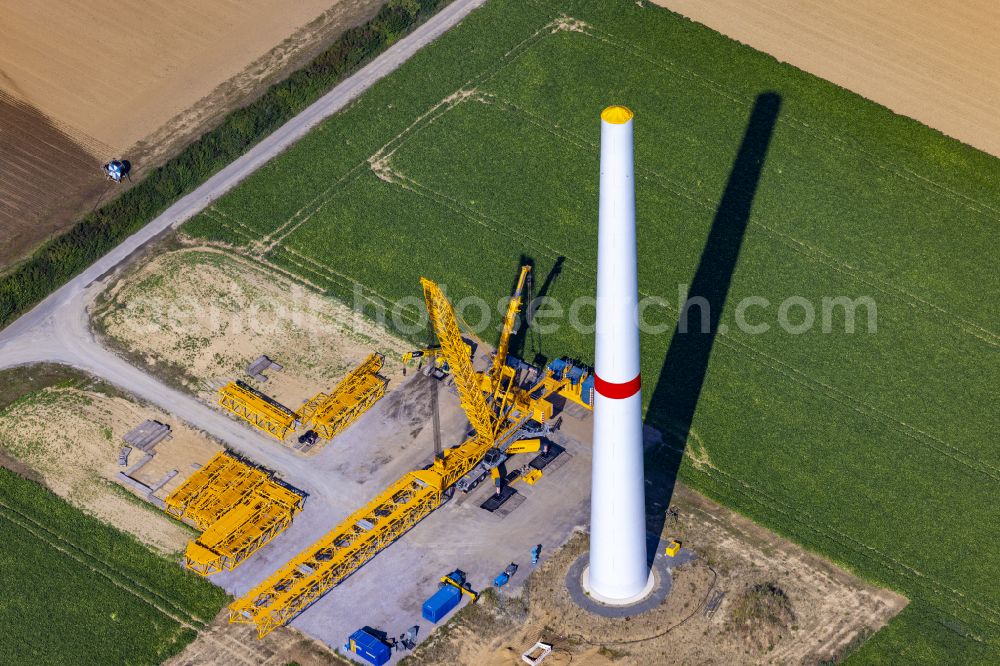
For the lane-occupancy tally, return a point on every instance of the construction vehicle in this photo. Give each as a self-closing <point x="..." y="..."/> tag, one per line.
<point x="434" y="357"/>
<point x="491" y="460"/>
<point x="672" y="548"/>
<point x="497" y="415"/>
<point x="458" y="579"/>
<point x="307" y="440"/>
<point x="115" y="170"/>
<point x="237" y="507"/>
<point x="258" y="409"/>
<point x="431" y="355"/>
<point x="504" y="576"/>
<point x="328" y="414"/>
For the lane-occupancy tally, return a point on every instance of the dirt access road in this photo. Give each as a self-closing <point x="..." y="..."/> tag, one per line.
<point x="81" y="83"/>
<point x="929" y="60"/>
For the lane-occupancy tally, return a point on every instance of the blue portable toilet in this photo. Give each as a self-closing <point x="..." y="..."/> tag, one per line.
<point x="369" y="647"/>
<point x="441" y="603"/>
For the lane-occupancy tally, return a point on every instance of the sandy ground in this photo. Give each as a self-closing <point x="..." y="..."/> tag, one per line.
<point x="933" y="61"/>
<point x="224" y="644"/>
<point x="200" y="316"/>
<point x="118" y="72"/>
<point x="81" y="83"/>
<point x="832" y="608"/>
<point x="71" y="437"/>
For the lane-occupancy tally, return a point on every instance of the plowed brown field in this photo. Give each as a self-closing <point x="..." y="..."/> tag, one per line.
<point x="81" y="83"/>
<point x="929" y="60"/>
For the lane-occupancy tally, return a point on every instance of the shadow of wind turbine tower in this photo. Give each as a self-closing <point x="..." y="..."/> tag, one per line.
<point x="675" y="398"/>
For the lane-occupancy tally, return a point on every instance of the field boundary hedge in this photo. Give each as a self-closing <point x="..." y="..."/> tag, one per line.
<point x="61" y="258"/>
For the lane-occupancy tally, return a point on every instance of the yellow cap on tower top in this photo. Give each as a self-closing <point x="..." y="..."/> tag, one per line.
<point x="617" y="115"/>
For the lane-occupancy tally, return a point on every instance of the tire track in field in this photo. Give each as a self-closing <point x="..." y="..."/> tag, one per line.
<point x="317" y="269"/>
<point x="324" y="272"/>
<point x="268" y="242"/>
<point x="986" y="612"/>
<point x="428" y="116"/>
<point x="347" y="283"/>
<point x="839" y="141"/>
<point x="863" y="408"/>
<point x="801" y="247"/>
<point x="191" y="621"/>
<point x="53" y="540"/>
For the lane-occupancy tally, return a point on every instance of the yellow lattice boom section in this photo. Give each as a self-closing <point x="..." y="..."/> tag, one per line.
<point x="442" y="318"/>
<point x="513" y="308"/>
<point x="243" y="530"/>
<point x="178" y="501"/>
<point x="329" y="414"/>
<point x="325" y="563"/>
<point x="238" y="508"/>
<point x="257" y="409"/>
<point x="228" y="490"/>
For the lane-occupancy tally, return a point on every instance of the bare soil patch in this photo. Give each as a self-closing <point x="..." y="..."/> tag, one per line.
<point x="818" y="613"/>
<point x="932" y="61"/>
<point x="81" y="83"/>
<point x="199" y="316"/>
<point x="69" y="437"/>
<point x="38" y="158"/>
<point x="224" y="644"/>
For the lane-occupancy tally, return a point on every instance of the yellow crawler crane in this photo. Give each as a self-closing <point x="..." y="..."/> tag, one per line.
<point x="316" y="570"/>
<point x="257" y="409"/>
<point x="243" y="530"/>
<point x="329" y="414"/>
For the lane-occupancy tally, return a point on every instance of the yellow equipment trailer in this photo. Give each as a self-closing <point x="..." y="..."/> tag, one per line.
<point x="329" y="414"/>
<point x="257" y="409"/>
<point x="312" y="573"/>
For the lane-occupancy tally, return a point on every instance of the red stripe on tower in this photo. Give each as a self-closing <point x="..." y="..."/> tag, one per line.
<point x="617" y="391"/>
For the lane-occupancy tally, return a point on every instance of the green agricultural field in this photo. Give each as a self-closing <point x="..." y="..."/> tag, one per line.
<point x="76" y="591"/>
<point x="877" y="449"/>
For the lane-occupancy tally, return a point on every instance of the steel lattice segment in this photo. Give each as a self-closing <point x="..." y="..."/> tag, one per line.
<point x="238" y="508"/>
<point x="178" y="501"/>
<point x="330" y="413"/>
<point x="243" y="530"/>
<point x="320" y="567"/>
<point x="230" y="488"/>
<point x="442" y="318"/>
<point x="257" y="409"/>
<point x="513" y="308"/>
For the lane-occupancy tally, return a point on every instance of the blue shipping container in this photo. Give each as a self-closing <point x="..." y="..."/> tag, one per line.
<point x="368" y="647"/>
<point x="441" y="603"/>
